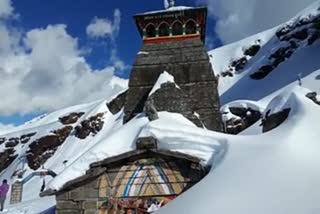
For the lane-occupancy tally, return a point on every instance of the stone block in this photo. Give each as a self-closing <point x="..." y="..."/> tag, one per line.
<point x="84" y="194"/>
<point x="68" y="211"/>
<point x="89" y="204"/>
<point x="93" y="211"/>
<point x="92" y="184"/>
<point x="66" y="205"/>
<point x="62" y="196"/>
<point x="147" y="143"/>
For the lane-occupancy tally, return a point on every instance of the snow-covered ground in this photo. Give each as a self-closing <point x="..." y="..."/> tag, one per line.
<point x="275" y="172"/>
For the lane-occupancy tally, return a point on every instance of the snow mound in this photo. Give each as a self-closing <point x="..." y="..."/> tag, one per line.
<point x="164" y="77"/>
<point x="271" y="173"/>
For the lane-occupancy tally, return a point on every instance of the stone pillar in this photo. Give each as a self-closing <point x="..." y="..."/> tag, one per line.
<point x="16" y="192"/>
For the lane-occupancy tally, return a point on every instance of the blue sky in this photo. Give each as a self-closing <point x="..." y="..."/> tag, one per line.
<point x="34" y="34"/>
<point x="38" y="14"/>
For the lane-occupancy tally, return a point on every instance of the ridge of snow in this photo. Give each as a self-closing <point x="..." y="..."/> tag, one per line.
<point x="164" y="77"/>
<point x="262" y="175"/>
<point x="170" y="9"/>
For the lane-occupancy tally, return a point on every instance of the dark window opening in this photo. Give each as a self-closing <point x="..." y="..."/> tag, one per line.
<point x="164" y="29"/>
<point x="151" y="31"/>
<point x="191" y="27"/>
<point x="177" y="29"/>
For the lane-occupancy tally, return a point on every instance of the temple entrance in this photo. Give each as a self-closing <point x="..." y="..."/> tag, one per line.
<point x="144" y="185"/>
<point x="135" y="205"/>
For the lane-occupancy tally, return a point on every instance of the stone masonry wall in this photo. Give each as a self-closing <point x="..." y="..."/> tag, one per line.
<point x="81" y="200"/>
<point x="189" y="63"/>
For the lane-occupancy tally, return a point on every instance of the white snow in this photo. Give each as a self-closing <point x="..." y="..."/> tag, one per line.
<point x="170" y="9"/>
<point x="164" y="77"/>
<point x="271" y="173"/>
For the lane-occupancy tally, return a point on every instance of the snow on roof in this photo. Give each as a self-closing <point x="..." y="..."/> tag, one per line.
<point x="170" y="9"/>
<point x="276" y="172"/>
<point x="164" y="77"/>
<point x="123" y="140"/>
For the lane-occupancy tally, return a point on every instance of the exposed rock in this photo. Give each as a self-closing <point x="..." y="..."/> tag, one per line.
<point x="301" y="35"/>
<point x="26" y="137"/>
<point x="313" y="38"/>
<point x="262" y="72"/>
<point x="316" y="25"/>
<point x="2" y="140"/>
<point x="12" y="142"/>
<point x="92" y="125"/>
<point x="43" y="148"/>
<point x="71" y="118"/>
<point x="281" y="55"/>
<point x="6" y="158"/>
<point x="118" y="103"/>
<point x="150" y="110"/>
<point x="252" y="51"/>
<point x="274" y="120"/>
<point x="246" y="118"/>
<point x="239" y="64"/>
<point x="227" y="73"/>
<point x="313" y="96"/>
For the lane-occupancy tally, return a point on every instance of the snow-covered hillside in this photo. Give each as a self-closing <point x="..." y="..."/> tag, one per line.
<point x="253" y="172"/>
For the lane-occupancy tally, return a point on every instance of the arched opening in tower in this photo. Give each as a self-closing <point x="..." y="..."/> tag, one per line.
<point x="177" y="28"/>
<point x="191" y="27"/>
<point x="150" y="31"/>
<point x="164" y="29"/>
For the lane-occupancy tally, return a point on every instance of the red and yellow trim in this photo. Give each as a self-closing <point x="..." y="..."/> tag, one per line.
<point x="170" y="38"/>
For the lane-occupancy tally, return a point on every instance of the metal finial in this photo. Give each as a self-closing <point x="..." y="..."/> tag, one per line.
<point x="172" y="3"/>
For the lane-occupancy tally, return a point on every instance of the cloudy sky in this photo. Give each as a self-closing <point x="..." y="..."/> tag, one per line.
<point x="56" y="53"/>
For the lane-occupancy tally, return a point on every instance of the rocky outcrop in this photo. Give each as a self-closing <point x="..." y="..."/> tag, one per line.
<point x="245" y="117"/>
<point x="6" y="158"/>
<point x="26" y="137"/>
<point x="252" y="50"/>
<point x="2" y="140"/>
<point x="274" y="120"/>
<point x="313" y="96"/>
<point x="12" y="142"/>
<point x="262" y="72"/>
<point x="188" y="62"/>
<point x="292" y="37"/>
<point x="237" y="65"/>
<point x="117" y="103"/>
<point x="43" y="148"/>
<point x="89" y="126"/>
<point x="71" y="118"/>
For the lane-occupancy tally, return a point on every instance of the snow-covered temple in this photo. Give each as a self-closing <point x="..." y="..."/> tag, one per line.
<point x="172" y="73"/>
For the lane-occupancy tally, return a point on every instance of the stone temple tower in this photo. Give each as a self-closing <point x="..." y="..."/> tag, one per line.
<point x="173" y="41"/>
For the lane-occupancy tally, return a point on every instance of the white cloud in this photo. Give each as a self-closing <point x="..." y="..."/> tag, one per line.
<point x="6" y="8"/>
<point x="240" y="18"/>
<point x="44" y="69"/>
<point x="102" y="28"/>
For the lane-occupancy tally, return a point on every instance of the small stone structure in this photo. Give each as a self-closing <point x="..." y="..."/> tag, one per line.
<point x="130" y="181"/>
<point x="16" y="192"/>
